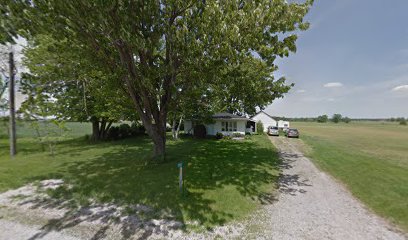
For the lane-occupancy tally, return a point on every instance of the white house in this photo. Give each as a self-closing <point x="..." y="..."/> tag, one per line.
<point x="225" y="123"/>
<point x="266" y="119"/>
<point x="283" y="124"/>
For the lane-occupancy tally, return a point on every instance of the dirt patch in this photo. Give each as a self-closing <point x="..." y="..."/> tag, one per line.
<point x="29" y="213"/>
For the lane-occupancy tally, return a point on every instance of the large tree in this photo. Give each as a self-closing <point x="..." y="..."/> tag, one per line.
<point x="150" y="44"/>
<point x="69" y="85"/>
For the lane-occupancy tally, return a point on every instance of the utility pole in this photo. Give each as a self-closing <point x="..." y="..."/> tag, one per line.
<point x="12" y="125"/>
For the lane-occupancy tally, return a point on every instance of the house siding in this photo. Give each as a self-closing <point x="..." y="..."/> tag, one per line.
<point x="266" y="120"/>
<point x="215" y="127"/>
<point x="188" y="127"/>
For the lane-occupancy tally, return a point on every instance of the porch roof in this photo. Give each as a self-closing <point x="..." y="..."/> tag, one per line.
<point x="229" y="116"/>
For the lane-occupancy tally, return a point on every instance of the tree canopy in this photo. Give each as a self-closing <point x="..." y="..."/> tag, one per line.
<point x="223" y="51"/>
<point x="64" y="82"/>
<point x="322" y="118"/>
<point x="336" y="118"/>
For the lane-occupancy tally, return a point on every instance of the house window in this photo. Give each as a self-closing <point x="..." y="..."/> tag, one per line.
<point x="229" y="126"/>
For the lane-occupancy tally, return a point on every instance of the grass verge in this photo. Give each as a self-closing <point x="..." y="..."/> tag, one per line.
<point x="370" y="159"/>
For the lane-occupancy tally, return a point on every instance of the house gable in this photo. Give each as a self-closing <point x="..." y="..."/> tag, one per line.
<point x="266" y="119"/>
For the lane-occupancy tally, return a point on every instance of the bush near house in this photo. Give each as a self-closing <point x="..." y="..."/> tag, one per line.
<point x="259" y="127"/>
<point x="219" y="135"/>
<point x="238" y="135"/>
<point x="125" y="131"/>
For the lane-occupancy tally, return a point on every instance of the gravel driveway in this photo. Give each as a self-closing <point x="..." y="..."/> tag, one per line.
<point x="312" y="205"/>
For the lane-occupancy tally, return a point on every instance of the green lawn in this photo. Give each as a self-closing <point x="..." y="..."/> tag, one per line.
<point x="225" y="180"/>
<point x="371" y="159"/>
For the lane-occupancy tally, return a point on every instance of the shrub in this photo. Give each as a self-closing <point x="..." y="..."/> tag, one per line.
<point x="134" y="129"/>
<point x="403" y="122"/>
<point x="200" y="131"/>
<point x="227" y="137"/>
<point x="124" y="130"/>
<point x="113" y="133"/>
<point x="346" y="119"/>
<point x="322" y="118"/>
<point x="219" y="135"/>
<point x="259" y="127"/>
<point x="137" y="129"/>
<point x="237" y="135"/>
<point x="336" y="118"/>
<point x="142" y="129"/>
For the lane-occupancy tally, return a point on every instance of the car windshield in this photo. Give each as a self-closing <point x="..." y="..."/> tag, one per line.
<point x="275" y="128"/>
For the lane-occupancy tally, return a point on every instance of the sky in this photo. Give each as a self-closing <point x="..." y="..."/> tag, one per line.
<point x="353" y="60"/>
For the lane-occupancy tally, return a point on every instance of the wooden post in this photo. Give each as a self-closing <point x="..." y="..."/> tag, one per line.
<point x="12" y="127"/>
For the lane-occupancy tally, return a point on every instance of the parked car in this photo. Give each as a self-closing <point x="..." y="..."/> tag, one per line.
<point x="292" y="132"/>
<point x="273" y="131"/>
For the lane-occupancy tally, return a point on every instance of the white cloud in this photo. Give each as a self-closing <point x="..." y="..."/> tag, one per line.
<point x="333" y="85"/>
<point x="301" y="91"/>
<point x="402" y="88"/>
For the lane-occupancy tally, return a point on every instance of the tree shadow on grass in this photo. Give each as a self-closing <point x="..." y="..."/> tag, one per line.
<point x="220" y="177"/>
<point x="291" y="183"/>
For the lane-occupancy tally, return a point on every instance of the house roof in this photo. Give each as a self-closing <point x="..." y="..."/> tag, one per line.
<point x="225" y="115"/>
<point x="263" y="113"/>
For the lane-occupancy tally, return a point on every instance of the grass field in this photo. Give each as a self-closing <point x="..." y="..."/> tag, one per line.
<point x="225" y="180"/>
<point x="371" y="159"/>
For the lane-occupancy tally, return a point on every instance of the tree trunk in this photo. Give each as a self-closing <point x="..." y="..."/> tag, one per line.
<point x="100" y="129"/>
<point x="95" y="129"/>
<point x="104" y="133"/>
<point x="159" y="141"/>
<point x="13" y="141"/>
<point x="173" y="129"/>
<point x="178" y="127"/>
<point x="152" y="113"/>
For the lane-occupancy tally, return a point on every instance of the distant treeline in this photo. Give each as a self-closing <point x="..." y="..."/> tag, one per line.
<point x="339" y="118"/>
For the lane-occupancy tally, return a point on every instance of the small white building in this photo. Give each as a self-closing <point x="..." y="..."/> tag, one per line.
<point x="225" y="123"/>
<point x="266" y="119"/>
<point x="283" y="124"/>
